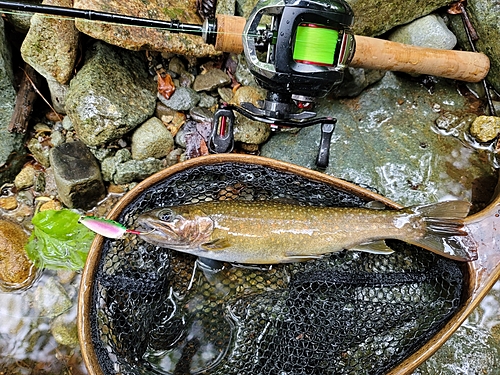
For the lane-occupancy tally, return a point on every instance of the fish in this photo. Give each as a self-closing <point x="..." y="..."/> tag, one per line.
<point x="270" y="232"/>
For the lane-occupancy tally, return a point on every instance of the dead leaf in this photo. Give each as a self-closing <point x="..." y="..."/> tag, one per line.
<point x="166" y="86"/>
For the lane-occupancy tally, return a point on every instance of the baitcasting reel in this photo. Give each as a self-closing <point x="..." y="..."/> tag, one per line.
<point x="299" y="56"/>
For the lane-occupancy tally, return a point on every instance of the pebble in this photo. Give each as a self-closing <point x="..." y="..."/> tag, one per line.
<point x="25" y="178"/>
<point x="8" y="203"/>
<point x="485" y="128"/>
<point x="51" y="299"/>
<point x="211" y="80"/>
<point x="182" y="99"/>
<point x="16" y="270"/>
<point x="151" y="140"/>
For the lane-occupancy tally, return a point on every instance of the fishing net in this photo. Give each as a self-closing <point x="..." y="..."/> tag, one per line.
<point x="157" y="311"/>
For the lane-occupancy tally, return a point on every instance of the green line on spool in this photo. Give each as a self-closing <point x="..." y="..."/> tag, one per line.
<point x="315" y="44"/>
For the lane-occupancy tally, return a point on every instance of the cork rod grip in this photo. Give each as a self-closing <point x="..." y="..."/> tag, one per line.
<point x="229" y="33"/>
<point x="373" y="53"/>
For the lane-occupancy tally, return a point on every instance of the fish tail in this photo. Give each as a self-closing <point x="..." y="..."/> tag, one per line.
<point x="444" y="231"/>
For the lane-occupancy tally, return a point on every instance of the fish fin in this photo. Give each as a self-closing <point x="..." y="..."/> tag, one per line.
<point x="444" y="224"/>
<point x="374" y="247"/>
<point x="290" y="258"/>
<point x="217" y="244"/>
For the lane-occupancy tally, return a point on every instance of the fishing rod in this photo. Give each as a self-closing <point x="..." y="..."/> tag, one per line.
<point x="299" y="56"/>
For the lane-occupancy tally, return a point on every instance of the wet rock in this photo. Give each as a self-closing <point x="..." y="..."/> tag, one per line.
<point x="136" y="170"/>
<point x="355" y="81"/>
<point x="182" y="99"/>
<point x="16" y="270"/>
<point x="142" y="38"/>
<point x="436" y="35"/>
<point x="207" y="101"/>
<point x="51" y="45"/>
<point x="25" y="178"/>
<point x="64" y="330"/>
<point x="151" y="139"/>
<point x="12" y="150"/>
<point x="246" y="130"/>
<point x="121" y="169"/>
<point x="51" y="299"/>
<point x="77" y="175"/>
<point x="8" y="203"/>
<point x="485" y="128"/>
<point x="211" y="80"/>
<point x="386" y="138"/>
<point x="110" y="95"/>
<point x="485" y="16"/>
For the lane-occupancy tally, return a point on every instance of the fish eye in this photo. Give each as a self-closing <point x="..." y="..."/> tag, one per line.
<point x="166" y="215"/>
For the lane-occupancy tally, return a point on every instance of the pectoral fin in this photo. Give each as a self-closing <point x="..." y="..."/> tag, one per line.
<point x="290" y="258"/>
<point x="215" y="245"/>
<point x="374" y="247"/>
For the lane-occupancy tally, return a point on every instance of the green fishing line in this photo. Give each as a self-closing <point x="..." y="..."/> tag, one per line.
<point x="315" y="44"/>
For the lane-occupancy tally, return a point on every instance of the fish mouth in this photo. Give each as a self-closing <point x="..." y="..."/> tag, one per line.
<point x="162" y="233"/>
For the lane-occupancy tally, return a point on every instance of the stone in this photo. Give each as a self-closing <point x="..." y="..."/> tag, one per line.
<point x="373" y="17"/>
<point x="111" y="95"/>
<point x="136" y="170"/>
<point x="16" y="270"/>
<point x="58" y="92"/>
<point x="51" y="45"/>
<point x="211" y="80"/>
<point x="183" y="99"/>
<point x="51" y="299"/>
<point x="64" y="330"/>
<point x="145" y="38"/>
<point x="387" y="138"/>
<point x="12" y="150"/>
<point x="436" y="35"/>
<point x="485" y="128"/>
<point x="151" y="139"/>
<point x="77" y="175"/>
<point x="25" y="178"/>
<point x="485" y="17"/>
<point x="246" y="130"/>
<point x="40" y="151"/>
<point x="8" y="203"/>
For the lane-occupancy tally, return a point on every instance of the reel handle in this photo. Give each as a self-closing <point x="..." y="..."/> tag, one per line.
<point x="373" y="53"/>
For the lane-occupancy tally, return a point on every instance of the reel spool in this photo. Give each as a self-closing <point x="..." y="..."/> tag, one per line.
<point x="321" y="40"/>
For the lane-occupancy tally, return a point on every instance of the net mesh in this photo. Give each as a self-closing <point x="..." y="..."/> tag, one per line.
<point x="157" y="311"/>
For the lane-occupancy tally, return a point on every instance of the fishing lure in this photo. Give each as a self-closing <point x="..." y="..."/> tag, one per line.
<point x="105" y="227"/>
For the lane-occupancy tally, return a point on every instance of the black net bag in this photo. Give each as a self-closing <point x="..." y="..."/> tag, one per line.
<point x="152" y="310"/>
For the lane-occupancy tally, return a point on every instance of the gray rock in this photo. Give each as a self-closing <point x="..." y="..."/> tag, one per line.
<point x="12" y="150"/>
<point x="64" y="330"/>
<point x="39" y="151"/>
<point x="243" y="74"/>
<point x="386" y="138"/>
<point x="207" y="101"/>
<point x="485" y="16"/>
<point x="110" y="95"/>
<point x="356" y="80"/>
<point x="429" y="31"/>
<point x="373" y="17"/>
<point x="182" y="99"/>
<point x="51" y="45"/>
<point x="77" y="175"/>
<point x="151" y="139"/>
<point x="211" y="80"/>
<point x="246" y="130"/>
<point x="51" y="299"/>
<point x="136" y="170"/>
<point x="58" y="92"/>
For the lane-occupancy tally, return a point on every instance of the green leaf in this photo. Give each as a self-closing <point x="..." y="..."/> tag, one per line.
<point x="58" y="240"/>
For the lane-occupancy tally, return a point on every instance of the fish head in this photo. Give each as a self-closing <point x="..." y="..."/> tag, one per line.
<point x="178" y="228"/>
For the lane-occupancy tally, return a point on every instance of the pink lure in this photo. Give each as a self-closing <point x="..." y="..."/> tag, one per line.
<point x="105" y="227"/>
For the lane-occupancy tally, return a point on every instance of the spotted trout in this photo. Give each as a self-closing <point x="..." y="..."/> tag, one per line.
<point x="267" y="232"/>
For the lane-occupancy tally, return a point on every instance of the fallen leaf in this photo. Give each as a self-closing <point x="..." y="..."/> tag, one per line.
<point x="166" y="86"/>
